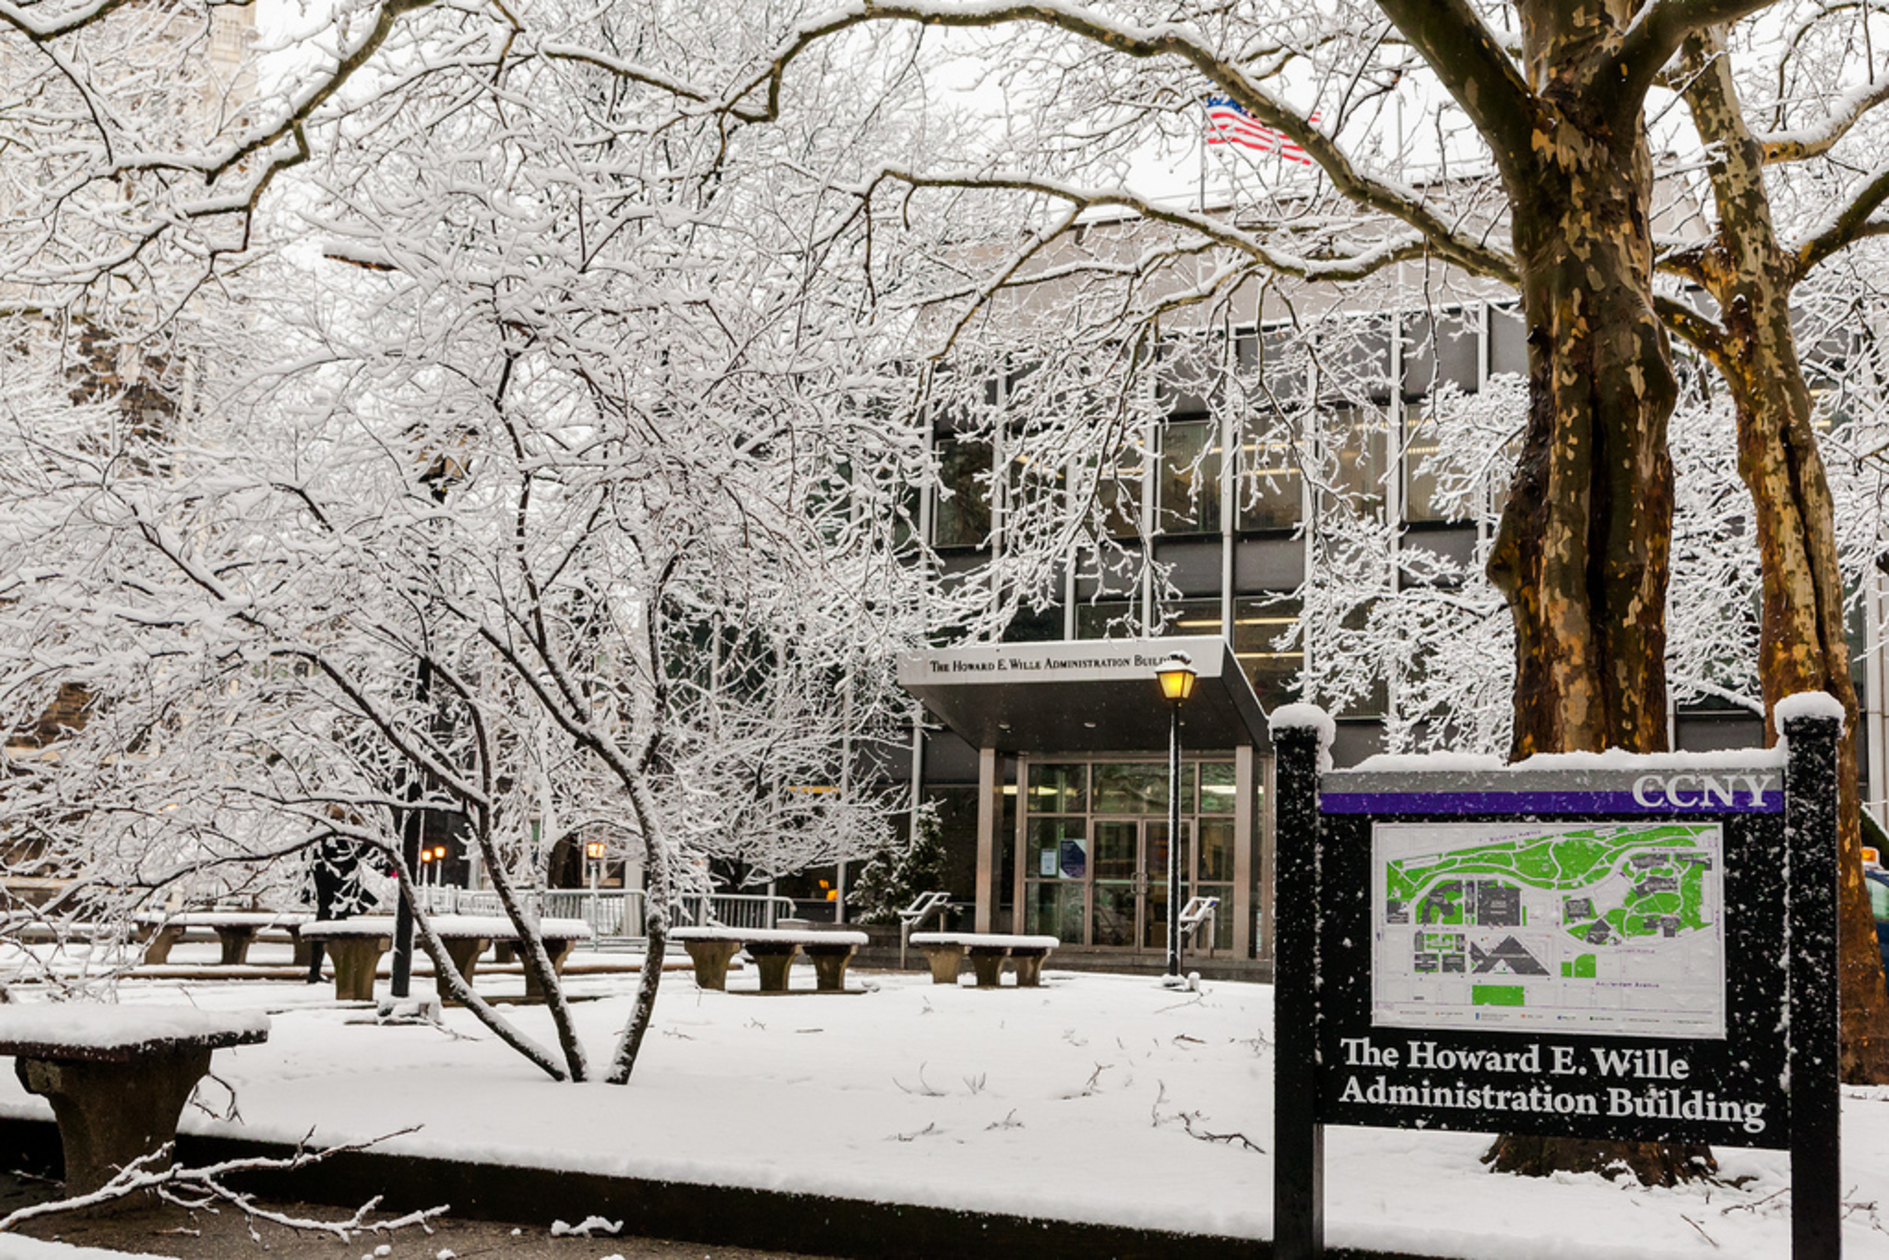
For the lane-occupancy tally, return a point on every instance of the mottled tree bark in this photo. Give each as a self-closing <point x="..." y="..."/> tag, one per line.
<point x="1583" y="550"/>
<point x="1802" y="645"/>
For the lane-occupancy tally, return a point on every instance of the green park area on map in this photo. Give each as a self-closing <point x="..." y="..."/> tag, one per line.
<point x="1661" y="871"/>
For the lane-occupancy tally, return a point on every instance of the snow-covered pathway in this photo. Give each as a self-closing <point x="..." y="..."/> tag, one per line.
<point x="1096" y="1098"/>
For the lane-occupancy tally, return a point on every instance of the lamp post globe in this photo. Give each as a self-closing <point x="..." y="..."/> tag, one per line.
<point x="1176" y="676"/>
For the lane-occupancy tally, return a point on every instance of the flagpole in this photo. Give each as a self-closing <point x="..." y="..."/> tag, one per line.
<point x="1206" y="126"/>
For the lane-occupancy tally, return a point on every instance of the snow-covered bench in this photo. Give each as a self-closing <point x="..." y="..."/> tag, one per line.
<point x="356" y="945"/>
<point x="117" y="1076"/>
<point x="946" y="951"/>
<point x="235" y="930"/>
<point x="773" y="949"/>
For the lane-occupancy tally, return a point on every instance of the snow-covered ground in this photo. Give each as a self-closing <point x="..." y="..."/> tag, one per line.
<point x="1096" y="1098"/>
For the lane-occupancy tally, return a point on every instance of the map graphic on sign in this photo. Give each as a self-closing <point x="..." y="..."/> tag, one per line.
<point x="1533" y="927"/>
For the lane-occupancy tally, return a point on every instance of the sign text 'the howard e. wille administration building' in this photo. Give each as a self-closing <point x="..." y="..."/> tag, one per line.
<point x="1616" y="947"/>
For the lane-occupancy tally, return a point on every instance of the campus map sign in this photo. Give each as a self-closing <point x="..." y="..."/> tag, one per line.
<point x="1582" y="928"/>
<point x="1628" y="948"/>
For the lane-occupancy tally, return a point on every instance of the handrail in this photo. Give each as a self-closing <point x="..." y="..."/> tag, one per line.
<point x="926" y="905"/>
<point x="1199" y="910"/>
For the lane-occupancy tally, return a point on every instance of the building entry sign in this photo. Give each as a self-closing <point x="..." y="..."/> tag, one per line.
<point x="1549" y="927"/>
<point x="1623" y="948"/>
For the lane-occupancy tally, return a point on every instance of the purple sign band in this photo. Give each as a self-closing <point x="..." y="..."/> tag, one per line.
<point x="1568" y="802"/>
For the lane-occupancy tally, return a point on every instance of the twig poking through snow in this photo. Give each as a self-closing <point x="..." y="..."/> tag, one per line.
<point x="1093" y="1085"/>
<point x="1688" y="1220"/>
<point x="924" y="1087"/>
<point x="1187" y="1122"/>
<point x="927" y="1131"/>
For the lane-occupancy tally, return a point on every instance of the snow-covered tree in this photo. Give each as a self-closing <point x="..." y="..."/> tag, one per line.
<point x="564" y="499"/>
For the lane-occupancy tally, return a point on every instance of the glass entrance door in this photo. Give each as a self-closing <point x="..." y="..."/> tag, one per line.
<point x="1131" y="857"/>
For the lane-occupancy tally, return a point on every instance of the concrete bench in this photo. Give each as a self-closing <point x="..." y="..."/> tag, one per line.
<point x="773" y="949"/>
<point x="466" y="937"/>
<point x="235" y="930"/>
<point x="946" y="951"/>
<point x="356" y="946"/>
<point x="117" y="1076"/>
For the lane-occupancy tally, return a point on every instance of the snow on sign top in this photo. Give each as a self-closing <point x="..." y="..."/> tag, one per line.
<point x="1288" y="717"/>
<point x="1751" y="781"/>
<point x="1808" y="704"/>
<point x="96" y="1030"/>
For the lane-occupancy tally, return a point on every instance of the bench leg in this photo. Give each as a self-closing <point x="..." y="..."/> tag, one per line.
<point x="1029" y="967"/>
<point x="773" y="965"/>
<point x="829" y="968"/>
<point x="558" y="950"/>
<point x="711" y="959"/>
<point x="988" y="963"/>
<point x="945" y="960"/>
<point x="355" y="961"/>
<point x="463" y="952"/>
<point x="158" y="950"/>
<point x="234" y="943"/>
<point x="111" y="1113"/>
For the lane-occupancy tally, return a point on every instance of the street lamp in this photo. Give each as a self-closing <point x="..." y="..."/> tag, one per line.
<point x="1176" y="675"/>
<point x="593" y="850"/>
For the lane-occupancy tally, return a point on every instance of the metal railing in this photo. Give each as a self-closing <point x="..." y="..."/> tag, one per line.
<point x="616" y="914"/>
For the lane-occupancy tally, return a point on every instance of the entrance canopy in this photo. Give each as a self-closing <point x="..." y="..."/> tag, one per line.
<point x="1097" y="695"/>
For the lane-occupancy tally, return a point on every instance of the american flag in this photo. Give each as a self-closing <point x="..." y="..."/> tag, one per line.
<point x="1227" y="123"/>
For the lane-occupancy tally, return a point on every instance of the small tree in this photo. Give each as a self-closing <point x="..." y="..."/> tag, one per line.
<point x="896" y="875"/>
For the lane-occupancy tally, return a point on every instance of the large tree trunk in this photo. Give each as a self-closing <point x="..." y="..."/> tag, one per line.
<point x="1802" y="644"/>
<point x="1582" y="550"/>
<point x="1582" y="553"/>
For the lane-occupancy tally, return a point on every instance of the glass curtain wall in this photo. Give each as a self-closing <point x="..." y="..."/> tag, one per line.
<point x="1095" y="850"/>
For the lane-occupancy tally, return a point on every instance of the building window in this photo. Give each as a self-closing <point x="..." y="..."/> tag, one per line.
<point x="1107" y="619"/>
<point x="1035" y="625"/>
<point x="1442" y="350"/>
<point x="1118" y="492"/>
<point x="1508" y="342"/>
<point x="1366" y="681"/>
<point x="1262" y="627"/>
<point x="1423" y="490"/>
<point x="1360" y="438"/>
<point x="1190" y="616"/>
<point x="1271" y="493"/>
<point x="962" y="517"/>
<point x="1190" y="478"/>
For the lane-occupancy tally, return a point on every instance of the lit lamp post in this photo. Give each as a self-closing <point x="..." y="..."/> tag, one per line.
<point x="593" y="851"/>
<point x="1176" y="675"/>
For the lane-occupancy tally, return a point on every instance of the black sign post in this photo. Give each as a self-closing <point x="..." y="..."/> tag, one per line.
<point x="1810" y="826"/>
<point x="1602" y="949"/>
<point x="1298" y="1135"/>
